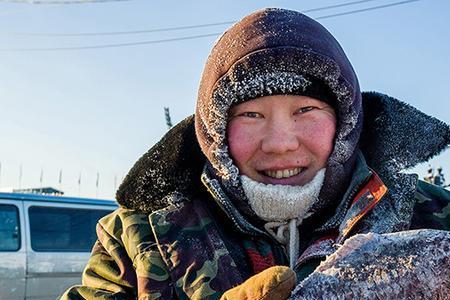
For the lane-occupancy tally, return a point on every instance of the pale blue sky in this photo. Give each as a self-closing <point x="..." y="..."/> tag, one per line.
<point x="99" y="110"/>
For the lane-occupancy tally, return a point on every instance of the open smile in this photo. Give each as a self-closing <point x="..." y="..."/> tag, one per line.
<point x="284" y="173"/>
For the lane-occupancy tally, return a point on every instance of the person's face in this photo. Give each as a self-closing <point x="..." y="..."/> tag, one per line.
<point x="281" y="139"/>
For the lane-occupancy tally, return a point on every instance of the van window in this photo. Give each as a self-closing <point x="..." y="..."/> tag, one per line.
<point x="63" y="229"/>
<point x="9" y="228"/>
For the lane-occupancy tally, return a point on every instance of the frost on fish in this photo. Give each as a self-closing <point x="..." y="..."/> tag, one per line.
<point x="403" y="265"/>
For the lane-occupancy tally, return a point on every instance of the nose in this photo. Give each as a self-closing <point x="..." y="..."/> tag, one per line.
<point x="279" y="138"/>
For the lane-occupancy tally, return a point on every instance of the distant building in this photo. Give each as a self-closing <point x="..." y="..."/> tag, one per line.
<point x="42" y="190"/>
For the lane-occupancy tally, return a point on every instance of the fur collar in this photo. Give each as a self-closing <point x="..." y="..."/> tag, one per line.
<point x="395" y="136"/>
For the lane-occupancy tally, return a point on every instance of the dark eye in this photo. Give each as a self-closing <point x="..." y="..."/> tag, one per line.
<point x="305" y="109"/>
<point x="252" y="114"/>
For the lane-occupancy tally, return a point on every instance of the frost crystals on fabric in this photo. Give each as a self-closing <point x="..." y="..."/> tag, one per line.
<point x="282" y="202"/>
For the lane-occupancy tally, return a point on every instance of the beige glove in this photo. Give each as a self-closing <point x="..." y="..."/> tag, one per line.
<point x="275" y="283"/>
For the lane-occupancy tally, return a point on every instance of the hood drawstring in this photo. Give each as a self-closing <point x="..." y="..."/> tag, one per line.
<point x="287" y="234"/>
<point x="293" y="242"/>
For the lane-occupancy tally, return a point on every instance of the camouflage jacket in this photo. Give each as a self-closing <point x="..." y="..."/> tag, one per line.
<point x="179" y="237"/>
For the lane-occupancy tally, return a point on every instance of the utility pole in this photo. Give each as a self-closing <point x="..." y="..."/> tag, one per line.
<point x="79" y="185"/>
<point x="60" y="179"/>
<point x="41" y="178"/>
<point x="96" y="185"/>
<point x="20" y="177"/>
<point x="168" y="120"/>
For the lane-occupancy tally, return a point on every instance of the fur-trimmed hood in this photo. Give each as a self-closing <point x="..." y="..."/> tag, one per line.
<point x="395" y="136"/>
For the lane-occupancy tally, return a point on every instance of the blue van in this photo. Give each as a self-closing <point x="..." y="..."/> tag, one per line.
<point x="45" y="242"/>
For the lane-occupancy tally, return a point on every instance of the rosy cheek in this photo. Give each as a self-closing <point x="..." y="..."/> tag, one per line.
<point x="325" y="139"/>
<point x="241" y="143"/>
<point x="317" y="134"/>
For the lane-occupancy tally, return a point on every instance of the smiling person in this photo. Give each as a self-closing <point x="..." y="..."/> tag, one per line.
<point x="285" y="183"/>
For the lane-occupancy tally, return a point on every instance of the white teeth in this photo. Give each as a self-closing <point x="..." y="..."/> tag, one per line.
<point x="283" y="173"/>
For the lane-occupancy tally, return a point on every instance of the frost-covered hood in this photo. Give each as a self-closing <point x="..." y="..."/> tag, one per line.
<point x="270" y="52"/>
<point x="396" y="136"/>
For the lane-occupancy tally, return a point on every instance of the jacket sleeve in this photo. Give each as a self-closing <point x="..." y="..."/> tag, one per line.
<point x="411" y="264"/>
<point x="125" y="262"/>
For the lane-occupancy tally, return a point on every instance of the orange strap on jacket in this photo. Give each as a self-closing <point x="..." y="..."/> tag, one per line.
<point x="374" y="189"/>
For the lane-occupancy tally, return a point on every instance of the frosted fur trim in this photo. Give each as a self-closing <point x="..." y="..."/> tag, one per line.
<point x="282" y="202"/>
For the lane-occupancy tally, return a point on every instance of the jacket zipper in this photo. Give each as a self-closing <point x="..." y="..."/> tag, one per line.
<point x="341" y="215"/>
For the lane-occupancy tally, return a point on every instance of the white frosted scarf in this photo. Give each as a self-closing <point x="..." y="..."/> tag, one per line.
<point x="284" y="207"/>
